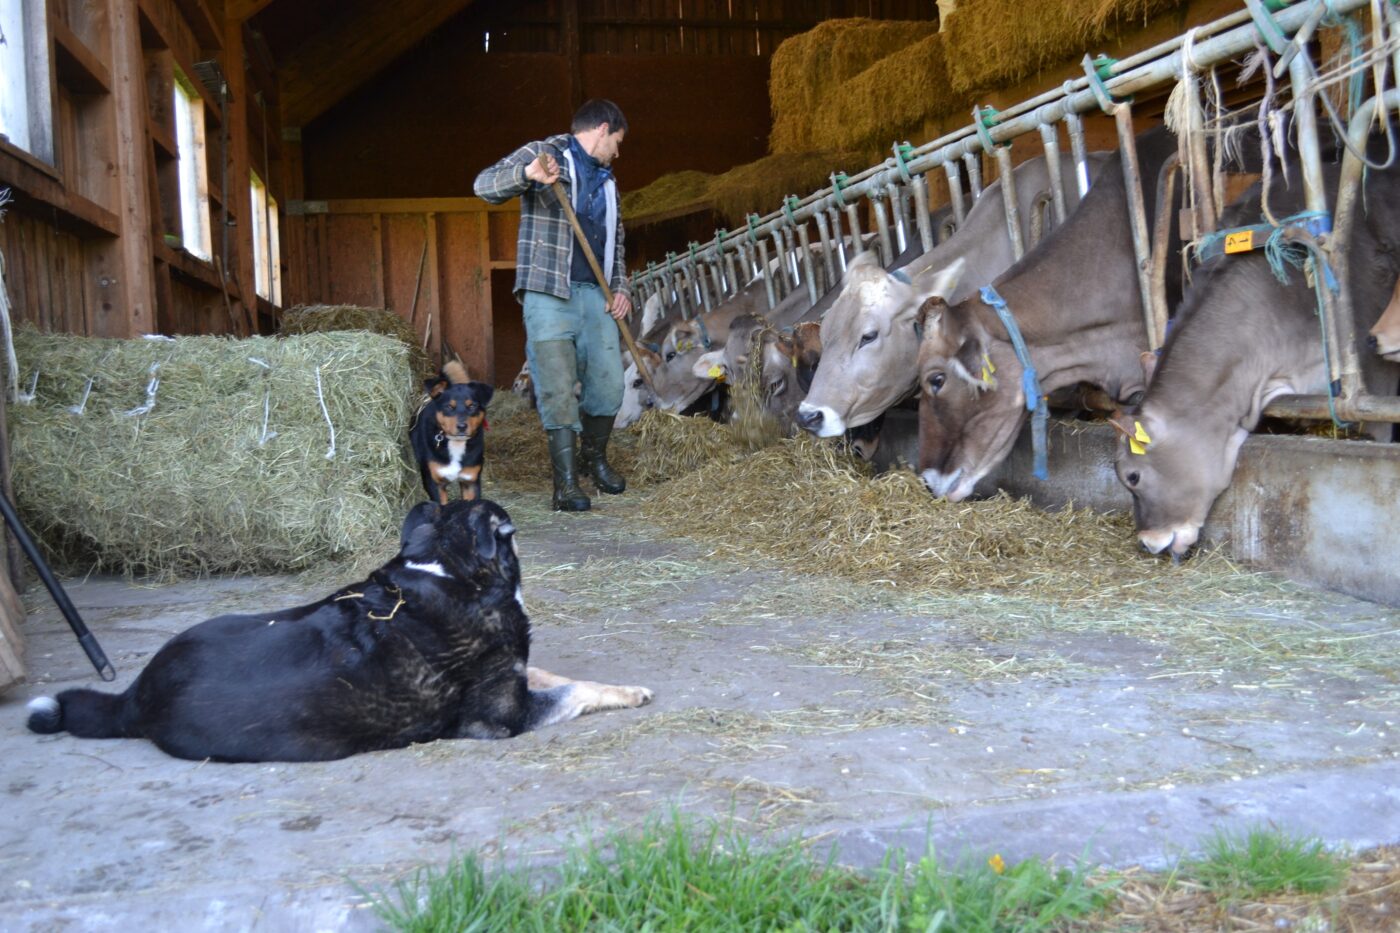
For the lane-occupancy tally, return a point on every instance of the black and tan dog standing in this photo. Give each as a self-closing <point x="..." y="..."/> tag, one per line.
<point x="447" y="438"/>
<point x="433" y="645"/>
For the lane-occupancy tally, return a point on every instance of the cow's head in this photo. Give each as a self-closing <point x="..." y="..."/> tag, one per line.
<point x="632" y="388"/>
<point x="1175" y="469"/>
<point x="971" y="404"/>
<point x="1385" y="336"/>
<point x="869" y="344"/>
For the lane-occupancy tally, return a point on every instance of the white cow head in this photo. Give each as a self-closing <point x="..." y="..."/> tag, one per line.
<point x="869" y="344"/>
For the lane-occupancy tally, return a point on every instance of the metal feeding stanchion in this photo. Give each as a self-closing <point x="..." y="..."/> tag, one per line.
<point x="91" y="648"/>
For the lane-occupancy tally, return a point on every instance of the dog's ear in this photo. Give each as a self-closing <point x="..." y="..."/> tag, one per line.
<point x="485" y="535"/>
<point x="483" y="392"/>
<point x="419" y="527"/>
<point x="435" y="385"/>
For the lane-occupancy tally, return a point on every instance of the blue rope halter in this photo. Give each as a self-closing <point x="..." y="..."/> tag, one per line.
<point x="1030" y="382"/>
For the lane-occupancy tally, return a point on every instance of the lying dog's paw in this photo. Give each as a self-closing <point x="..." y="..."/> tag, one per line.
<point x="611" y="696"/>
<point x="637" y="696"/>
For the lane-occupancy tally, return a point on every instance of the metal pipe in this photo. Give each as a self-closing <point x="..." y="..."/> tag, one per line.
<point x="1348" y="193"/>
<point x="882" y="229"/>
<point x="921" y="212"/>
<point x="730" y="269"/>
<point x="899" y="202"/>
<point x="697" y="271"/>
<point x="828" y="247"/>
<point x="973" y="161"/>
<point x="836" y="235"/>
<point x="808" y="273"/>
<point x="781" y="278"/>
<point x="955" y="191"/>
<point x="1007" y="176"/>
<point x="1377" y="408"/>
<point x="1137" y="215"/>
<point x="766" y="271"/>
<point x="717" y="279"/>
<point x="1074" y="123"/>
<point x="853" y="221"/>
<point x="1050" y="137"/>
<point x="794" y="269"/>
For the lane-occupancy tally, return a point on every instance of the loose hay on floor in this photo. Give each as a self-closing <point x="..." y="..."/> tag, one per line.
<point x="195" y="485"/>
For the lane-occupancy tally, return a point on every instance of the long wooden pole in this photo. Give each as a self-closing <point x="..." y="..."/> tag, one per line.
<point x="598" y="271"/>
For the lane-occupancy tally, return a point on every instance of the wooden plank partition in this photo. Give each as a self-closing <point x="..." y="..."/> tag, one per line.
<point x="427" y="259"/>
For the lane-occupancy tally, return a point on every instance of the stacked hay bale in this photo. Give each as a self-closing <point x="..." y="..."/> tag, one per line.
<point x="324" y="319"/>
<point x="891" y="100"/>
<point x="808" y="70"/>
<point x="205" y="454"/>
<point x="993" y="43"/>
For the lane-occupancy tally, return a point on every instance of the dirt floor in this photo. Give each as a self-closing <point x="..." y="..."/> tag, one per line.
<point x="850" y="712"/>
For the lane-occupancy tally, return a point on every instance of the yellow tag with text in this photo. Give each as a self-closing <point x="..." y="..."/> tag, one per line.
<point x="1241" y="241"/>
<point x="1135" y="447"/>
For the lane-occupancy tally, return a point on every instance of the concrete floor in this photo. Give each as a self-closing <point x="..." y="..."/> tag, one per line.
<point x="1115" y="751"/>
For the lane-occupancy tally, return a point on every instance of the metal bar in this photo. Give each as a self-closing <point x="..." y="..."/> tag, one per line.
<point x="1007" y="176"/>
<point x="1074" y="123"/>
<point x="921" y="212"/>
<point x="1382" y="408"/>
<point x="973" y="161"/>
<point x="730" y="269"/>
<point x="717" y="280"/>
<point x="808" y="273"/>
<point x="882" y="229"/>
<point x="1206" y="210"/>
<point x="836" y="236"/>
<point x="1137" y="216"/>
<point x="794" y="268"/>
<point x="1161" y="238"/>
<point x="1050" y="138"/>
<point x="766" y="271"/>
<point x="899" y="201"/>
<point x="828" y="247"/>
<point x="702" y="280"/>
<point x="1338" y="243"/>
<point x="853" y="221"/>
<point x="955" y="191"/>
<point x="781" y="276"/>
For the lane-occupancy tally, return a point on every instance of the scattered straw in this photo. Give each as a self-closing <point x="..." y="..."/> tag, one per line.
<point x="227" y="470"/>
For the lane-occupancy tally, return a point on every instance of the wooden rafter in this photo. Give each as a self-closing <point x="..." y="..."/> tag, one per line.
<point x="336" y="61"/>
<point x="240" y="10"/>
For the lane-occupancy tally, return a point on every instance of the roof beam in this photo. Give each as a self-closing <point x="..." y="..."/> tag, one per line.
<point x="337" y="60"/>
<point x="240" y="10"/>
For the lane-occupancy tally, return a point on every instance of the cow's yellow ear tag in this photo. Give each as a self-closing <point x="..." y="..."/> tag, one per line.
<point x="794" y="361"/>
<point x="1139" y="442"/>
<point x="988" y="370"/>
<point x="716" y="372"/>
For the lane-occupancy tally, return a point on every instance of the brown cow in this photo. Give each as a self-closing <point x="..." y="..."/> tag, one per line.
<point x="1385" y="336"/>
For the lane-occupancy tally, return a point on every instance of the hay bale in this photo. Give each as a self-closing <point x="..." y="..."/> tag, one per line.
<point x="807" y="68"/>
<point x="192" y="486"/>
<point x="910" y="86"/>
<point x="666" y="195"/>
<point x="759" y="187"/>
<point x="992" y="43"/>
<point x="324" y="319"/>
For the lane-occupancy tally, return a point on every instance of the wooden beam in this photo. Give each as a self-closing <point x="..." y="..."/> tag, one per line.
<point x="569" y="45"/>
<point x="353" y="49"/>
<point x="241" y="271"/>
<point x="129" y="301"/>
<point x="240" y="10"/>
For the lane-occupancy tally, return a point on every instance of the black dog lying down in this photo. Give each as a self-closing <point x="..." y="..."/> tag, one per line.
<point x="433" y="645"/>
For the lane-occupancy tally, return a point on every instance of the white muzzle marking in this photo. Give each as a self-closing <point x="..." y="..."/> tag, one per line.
<point x="833" y="425"/>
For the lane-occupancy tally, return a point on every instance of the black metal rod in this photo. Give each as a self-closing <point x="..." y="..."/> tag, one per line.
<point x="60" y="597"/>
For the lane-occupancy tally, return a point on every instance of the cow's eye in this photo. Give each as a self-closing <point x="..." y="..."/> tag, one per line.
<point x="1135" y="399"/>
<point x="637" y="383"/>
<point x="670" y="355"/>
<point x="935" y="382"/>
<point x="777" y="386"/>
<point x="868" y="337"/>
<point x="1133" y="478"/>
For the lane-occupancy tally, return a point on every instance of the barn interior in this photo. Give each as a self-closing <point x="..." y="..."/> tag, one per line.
<point x="264" y="176"/>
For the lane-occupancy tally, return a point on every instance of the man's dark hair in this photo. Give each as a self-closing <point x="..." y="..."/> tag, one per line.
<point x="595" y="113"/>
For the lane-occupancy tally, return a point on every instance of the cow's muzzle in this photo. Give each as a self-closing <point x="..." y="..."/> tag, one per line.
<point x="823" y="422"/>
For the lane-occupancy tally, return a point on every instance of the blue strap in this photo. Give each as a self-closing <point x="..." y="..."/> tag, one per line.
<point x="1030" y="382"/>
<point x="1258" y="236"/>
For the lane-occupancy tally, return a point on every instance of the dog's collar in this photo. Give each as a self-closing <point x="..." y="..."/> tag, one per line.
<point x="440" y="437"/>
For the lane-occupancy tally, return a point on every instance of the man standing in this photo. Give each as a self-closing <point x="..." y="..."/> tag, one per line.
<point x="570" y="338"/>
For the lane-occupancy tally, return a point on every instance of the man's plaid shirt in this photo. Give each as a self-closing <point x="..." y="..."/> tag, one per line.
<point x="545" y="246"/>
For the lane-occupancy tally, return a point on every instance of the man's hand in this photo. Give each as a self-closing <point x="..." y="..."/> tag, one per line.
<point x="621" y="306"/>
<point x="546" y="174"/>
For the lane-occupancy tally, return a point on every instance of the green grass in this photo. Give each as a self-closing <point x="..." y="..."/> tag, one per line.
<point x="673" y="876"/>
<point x="1266" y="861"/>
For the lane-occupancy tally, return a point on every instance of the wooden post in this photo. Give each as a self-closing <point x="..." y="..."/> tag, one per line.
<point x="569" y="42"/>
<point x="127" y="293"/>
<point x="242" y="272"/>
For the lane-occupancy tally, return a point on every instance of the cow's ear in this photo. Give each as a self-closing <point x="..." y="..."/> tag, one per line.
<point x="710" y="366"/>
<point x="943" y="283"/>
<point x="1149" y="365"/>
<point x="931" y="315"/>
<point x="1121" y="422"/>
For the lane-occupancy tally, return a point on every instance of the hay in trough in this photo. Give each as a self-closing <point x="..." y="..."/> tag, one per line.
<point x="670" y="446"/>
<point x="190" y="456"/>
<point x="808" y="69"/>
<point x="911" y="86"/>
<point x="993" y="43"/>
<point x="323" y="319"/>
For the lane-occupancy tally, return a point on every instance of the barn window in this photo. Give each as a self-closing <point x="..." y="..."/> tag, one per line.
<point x="267" y="246"/>
<point x="26" y="117"/>
<point x="194" y="168"/>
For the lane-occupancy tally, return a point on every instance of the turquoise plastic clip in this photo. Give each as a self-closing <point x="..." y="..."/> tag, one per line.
<point x="1099" y="70"/>
<point x="753" y="225"/>
<point x="1264" y="22"/>
<point x="788" y="207"/>
<point x="838" y="179"/>
<point x="902" y="152"/>
<point x="984" y="118"/>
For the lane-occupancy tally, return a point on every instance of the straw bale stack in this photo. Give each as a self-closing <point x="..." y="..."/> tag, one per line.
<point x="197" y="484"/>
<point x="666" y="195"/>
<point x="993" y="43"/>
<point x="890" y="100"/>
<point x="808" y="68"/>
<point x="759" y="187"/>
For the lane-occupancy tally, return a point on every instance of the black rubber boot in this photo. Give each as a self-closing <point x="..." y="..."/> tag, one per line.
<point x="567" y="496"/>
<point x="593" y="453"/>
